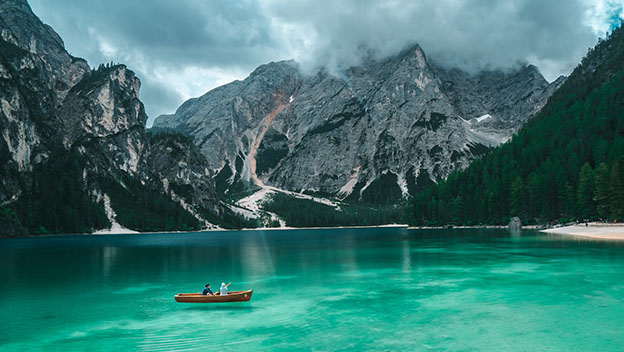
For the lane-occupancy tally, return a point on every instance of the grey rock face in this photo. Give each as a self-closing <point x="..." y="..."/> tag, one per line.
<point x="20" y="27"/>
<point x="51" y="100"/>
<point x="497" y="102"/>
<point x="397" y="124"/>
<point x="105" y="120"/>
<point x="103" y="117"/>
<point x="229" y="119"/>
<point x="105" y="105"/>
<point x="184" y="172"/>
<point x="35" y="74"/>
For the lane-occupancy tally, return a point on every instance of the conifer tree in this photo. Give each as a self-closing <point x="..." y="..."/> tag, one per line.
<point x="602" y="191"/>
<point x="617" y="191"/>
<point x="584" y="191"/>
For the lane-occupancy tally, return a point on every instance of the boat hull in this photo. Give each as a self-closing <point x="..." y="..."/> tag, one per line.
<point x="235" y="296"/>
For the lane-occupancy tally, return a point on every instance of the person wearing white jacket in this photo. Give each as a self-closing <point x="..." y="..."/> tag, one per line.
<point x="223" y="290"/>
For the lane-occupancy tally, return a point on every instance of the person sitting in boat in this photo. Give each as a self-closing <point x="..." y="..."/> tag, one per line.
<point x="207" y="291"/>
<point x="223" y="290"/>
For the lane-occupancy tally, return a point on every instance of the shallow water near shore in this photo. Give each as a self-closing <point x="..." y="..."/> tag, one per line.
<point x="332" y="289"/>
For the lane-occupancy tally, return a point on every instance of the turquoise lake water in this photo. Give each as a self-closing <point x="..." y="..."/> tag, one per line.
<point x="344" y="289"/>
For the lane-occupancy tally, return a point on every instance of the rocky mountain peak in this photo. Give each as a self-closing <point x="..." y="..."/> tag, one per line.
<point x="276" y="68"/>
<point x="22" y="28"/>
<point x="267" y="87"/>
<point x="414" y="54"/>
<point x="534" y="69"/>
<point x="104" y="103"/>
<point x="400" y="122"/>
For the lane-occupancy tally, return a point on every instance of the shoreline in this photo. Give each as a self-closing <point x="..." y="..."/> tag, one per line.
<point x="453" y="227"/>
<point x="593" y="230"/>
<point x="320" y="227"/>
<point x="132" y="232"/>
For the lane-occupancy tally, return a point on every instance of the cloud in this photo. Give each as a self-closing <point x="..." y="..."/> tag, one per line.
<point x="472" y="34"/>
<point x="603" y="15"/>
<point x="178" y="48"/>
<point x="183" y="48"/>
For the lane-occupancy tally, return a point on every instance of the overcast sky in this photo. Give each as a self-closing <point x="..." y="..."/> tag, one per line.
<point x="183" y="48"/>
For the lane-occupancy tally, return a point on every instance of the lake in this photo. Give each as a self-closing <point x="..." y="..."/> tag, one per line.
<point x="335" y="289"/>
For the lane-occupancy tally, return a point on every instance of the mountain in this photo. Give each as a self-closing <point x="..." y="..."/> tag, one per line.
<point x="373" y="133"/>
<point x="74" y="154"/>
<point x="565" y="164"/>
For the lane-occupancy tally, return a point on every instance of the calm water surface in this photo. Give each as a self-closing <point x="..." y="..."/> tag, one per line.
<point x="364" y="289"/>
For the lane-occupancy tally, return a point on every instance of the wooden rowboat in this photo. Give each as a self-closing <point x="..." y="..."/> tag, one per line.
<point x="234" y="296"/>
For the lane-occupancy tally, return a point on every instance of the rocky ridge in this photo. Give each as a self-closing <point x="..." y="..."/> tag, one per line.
<point x="394" y="125"/>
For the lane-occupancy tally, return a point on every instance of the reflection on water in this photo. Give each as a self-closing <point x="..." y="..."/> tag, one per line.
<point x="515" y="233"/>
<point x="108" y="259"/>
<point x="256" y="258"/>
<point x="406" y="263"/>
<point x="389" y="289"/>
<point x="218" y="307"/>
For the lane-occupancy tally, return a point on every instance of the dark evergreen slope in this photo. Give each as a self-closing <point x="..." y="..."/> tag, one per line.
<point x="567" y="163"/>
<point x="298" y="212"/>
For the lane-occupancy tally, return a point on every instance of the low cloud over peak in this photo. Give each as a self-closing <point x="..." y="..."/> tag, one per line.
<point x="183" y="48"/>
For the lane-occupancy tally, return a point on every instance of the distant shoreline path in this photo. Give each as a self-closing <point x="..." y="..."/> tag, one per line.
<point x="593" y="230"/>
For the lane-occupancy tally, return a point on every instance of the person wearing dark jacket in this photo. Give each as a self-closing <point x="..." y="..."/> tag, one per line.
<point x="207" y="291"/>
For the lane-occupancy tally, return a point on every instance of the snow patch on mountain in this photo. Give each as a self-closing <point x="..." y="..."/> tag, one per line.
<point x="483" y="118"/>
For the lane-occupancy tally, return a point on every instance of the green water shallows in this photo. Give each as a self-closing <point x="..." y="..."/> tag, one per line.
<point x="343" y="289"/>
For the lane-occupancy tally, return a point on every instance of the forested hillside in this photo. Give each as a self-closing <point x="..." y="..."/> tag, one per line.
<point x="565" y="164"/>
<point x="298" y="212"/>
